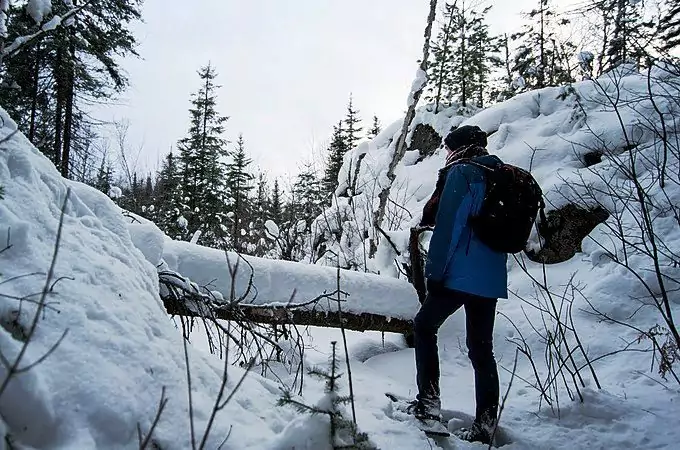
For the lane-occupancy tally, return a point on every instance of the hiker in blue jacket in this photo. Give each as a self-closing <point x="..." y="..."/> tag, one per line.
<point x="461" y="271"/>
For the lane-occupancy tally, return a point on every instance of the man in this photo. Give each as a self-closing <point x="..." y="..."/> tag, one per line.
<point x="461" y="271"/>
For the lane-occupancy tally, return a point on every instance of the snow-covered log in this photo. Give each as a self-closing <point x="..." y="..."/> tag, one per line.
<point x="288" y="292"/>
<point x="282" y="315"/>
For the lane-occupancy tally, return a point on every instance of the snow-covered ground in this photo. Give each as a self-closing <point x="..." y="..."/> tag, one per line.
<point x="121" y="349"/>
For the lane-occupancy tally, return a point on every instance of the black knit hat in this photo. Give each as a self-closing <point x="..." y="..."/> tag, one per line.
<point x="465" y="136"/>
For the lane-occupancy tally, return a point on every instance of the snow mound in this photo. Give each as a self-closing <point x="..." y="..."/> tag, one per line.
<point x="120" y="349"/>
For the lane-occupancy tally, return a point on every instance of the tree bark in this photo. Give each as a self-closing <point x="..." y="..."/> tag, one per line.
<point x="34" y="94"/>
<point x="447" y="37"/>
<point x="68" y="120"/>
<point x="281" y="315"/>
<point x="59" y="109"/>
<point x="400" y="147"/>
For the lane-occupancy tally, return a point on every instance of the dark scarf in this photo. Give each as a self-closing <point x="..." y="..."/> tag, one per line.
<point x="457" y="156"/>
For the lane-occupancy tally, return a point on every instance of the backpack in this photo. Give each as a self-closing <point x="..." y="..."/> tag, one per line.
<point x="511" y="203"/>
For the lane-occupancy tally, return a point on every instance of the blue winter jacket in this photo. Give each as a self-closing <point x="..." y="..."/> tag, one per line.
<point x="456" y="256"/>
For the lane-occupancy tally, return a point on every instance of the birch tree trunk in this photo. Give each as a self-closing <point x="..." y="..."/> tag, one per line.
<point x="400" y="147"/>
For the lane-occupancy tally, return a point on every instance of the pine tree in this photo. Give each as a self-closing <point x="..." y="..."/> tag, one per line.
<point x="336" y="152"/>
<point x="352" y="128"/>
<point x="308" y="196"/>
<point x="441" y="68"/>
<point x="669" y="26"/>
<point x="276" y="211"/>
<point x="259" y="215"/>
<point x="464" y="56"/>
<point x="167" y="197"/>
<point x="483" y="57"/>
<point x="104" y="178"/>
<point x="375" y="128"/>
<point x="539" y="59"/>
<point x="239" y="184"/>
<point x="202" y="166"/>
<point x="63" y="71"/>
<point x="628" y="32"/>
<point x="343" y="432"/>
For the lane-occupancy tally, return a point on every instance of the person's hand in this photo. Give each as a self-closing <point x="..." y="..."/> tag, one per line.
<point x="435" y="286"/>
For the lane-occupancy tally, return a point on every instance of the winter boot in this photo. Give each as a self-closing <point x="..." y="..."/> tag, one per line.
<point x="428" y="413"/>
<point x="478" y="432"/>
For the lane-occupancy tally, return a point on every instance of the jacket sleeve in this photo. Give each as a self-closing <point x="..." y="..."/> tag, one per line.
<point x="454" y="208"/>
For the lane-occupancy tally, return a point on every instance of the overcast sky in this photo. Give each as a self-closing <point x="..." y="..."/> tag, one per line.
<point x="287" y="68"/>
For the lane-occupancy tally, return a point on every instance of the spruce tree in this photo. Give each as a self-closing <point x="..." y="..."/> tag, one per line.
<point x="336" y="152"/>
<point x="276" y="209"/>
<point x="440" y="71"/>
<point x="483" y="57"/>
<point x="375" y="128"/>
<point x="504" y="86"/>
<point x="540" y="57"/>
<point x="629" y="32"/>
<point x="464" y="56"/>
<point x="239" y="185"/>
<point x="343" y="432"/>
<point x="352" y="128"/>
<point x="308" y="195"/>
<point x="62" y="72"/>
<point x="104" y="178"/>
<point x="203" y="154"/>
<point x="167" y="197"/>
<point x="259" y="215"/>
<point x="669" y="26"/>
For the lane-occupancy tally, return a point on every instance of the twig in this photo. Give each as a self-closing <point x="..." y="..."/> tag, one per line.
<point x="505" y="398"/>
<point x="344" y="342"/>
<point x="159" y="411"/>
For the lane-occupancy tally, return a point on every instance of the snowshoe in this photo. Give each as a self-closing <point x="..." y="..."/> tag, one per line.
<point x="475" y="433"/>
<point x="430" y="424"/>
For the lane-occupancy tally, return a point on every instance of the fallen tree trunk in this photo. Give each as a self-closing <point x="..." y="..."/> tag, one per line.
<point x="282" y="315"/>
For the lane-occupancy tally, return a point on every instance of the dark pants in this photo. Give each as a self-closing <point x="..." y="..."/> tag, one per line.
<point x="479" y="319"/>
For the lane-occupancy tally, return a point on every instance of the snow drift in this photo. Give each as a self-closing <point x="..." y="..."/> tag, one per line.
<point x="106" y="375"/>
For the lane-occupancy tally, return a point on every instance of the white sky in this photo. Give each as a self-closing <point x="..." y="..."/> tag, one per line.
<point x="286" y="69"/>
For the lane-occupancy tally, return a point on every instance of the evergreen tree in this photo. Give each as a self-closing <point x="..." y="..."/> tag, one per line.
<point x="202" y="165"/>
<point x="307" y="195"/>
<point x="104" y="178"/>
<point x="336" y="152"/>
<point x="375" y="128"/>
<point x="669" y="26"/>
<point x="167" y="198"/>
<point x="464" y="56"/>
<point x="482" y="56"/>
<point x="629" y="32"/>
<point x="343" y="432"/>
<point x="60" y="73"/>
<point x="259" y="215"/>
<point x="441" y="68"/>
<point x="503" y="86"/>
<point x="239" y="184"/>
<point x="276" y="209"/>
<point x="539" y="59"/>
<point x="352" y="128"/>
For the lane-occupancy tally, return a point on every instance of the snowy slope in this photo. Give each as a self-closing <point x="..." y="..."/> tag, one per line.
<point x="120" y="349"/>
<point x="548" y="131"/>
<point x="106" y="376"/>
